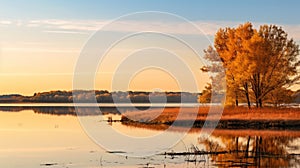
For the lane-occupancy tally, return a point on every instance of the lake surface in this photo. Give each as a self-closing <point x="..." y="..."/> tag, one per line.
<point x="36" y="136"/>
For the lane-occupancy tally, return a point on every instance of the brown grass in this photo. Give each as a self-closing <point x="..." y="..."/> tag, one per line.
<point x="161" y="119"/>
<point x="202" y="113"/>
<point x="262" y="113"/>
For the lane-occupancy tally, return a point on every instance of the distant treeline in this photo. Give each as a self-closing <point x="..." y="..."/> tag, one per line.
<point x="102" y="96"/>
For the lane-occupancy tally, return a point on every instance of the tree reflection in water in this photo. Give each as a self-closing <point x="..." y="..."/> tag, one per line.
<point x="251" y="151"/>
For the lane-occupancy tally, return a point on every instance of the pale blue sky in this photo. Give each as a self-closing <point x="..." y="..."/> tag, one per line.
<point x="274" y="11"/>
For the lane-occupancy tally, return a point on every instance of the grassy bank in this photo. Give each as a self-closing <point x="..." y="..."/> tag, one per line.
<point x="231" y="118"/>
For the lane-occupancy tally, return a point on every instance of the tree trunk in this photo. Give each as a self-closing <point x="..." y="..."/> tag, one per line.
<point x="256" y="89"/>
<point x="247" y="95"/>
<point x="236" y="99"/>
<point x="260" y="102"/>
<point x="248" y="100"/>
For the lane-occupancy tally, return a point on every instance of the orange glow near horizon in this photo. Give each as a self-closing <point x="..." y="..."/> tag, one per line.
<point x="160" y="80"/>
<point x="45" y="64"/>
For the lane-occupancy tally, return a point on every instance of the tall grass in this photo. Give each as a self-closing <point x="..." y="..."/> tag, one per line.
<point x="240" y="113"/>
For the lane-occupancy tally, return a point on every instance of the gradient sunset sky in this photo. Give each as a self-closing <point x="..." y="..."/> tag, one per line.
<point x="40" y="41"/>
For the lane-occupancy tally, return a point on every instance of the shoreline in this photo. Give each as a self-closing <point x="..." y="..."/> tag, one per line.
<point x="231" y="118"/>
<point x="227" y="124"/>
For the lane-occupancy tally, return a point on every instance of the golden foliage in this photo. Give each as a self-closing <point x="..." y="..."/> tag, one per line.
<point x="262" y="60"/>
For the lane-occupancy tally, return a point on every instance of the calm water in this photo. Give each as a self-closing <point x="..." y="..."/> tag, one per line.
<point x="53" y="137"/>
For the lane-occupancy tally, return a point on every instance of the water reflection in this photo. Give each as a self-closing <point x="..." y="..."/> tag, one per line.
<point x="251" y="151"/>
<point x="32" y="140"/>
<point x="82" y="111"/>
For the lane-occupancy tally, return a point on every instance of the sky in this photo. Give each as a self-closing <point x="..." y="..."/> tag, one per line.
<point x="41" y="41"/>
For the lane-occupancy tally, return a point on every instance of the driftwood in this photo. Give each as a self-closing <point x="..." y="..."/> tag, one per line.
<point x="264" y="154"/>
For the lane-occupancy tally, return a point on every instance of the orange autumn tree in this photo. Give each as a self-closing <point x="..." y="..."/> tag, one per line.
<point x="276" y="61"/>
<point x="232" y="47"/>
<point x="257" y="62"/>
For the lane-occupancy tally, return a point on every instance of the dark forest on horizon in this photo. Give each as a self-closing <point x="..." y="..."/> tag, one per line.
<point x="102" y="96"/>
